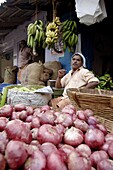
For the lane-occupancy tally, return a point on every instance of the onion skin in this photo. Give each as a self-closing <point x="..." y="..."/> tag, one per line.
<point x="3" y="122"/>
<point x="66" y="148"/>
<point x="73" y="136"/>
<point x="110" y="149"/>
<point x="2" y="162"/>
<point x="49" y="133"/>
<point x="48" y="117"/>
<point x="37" y="161"/>
<point x="45" y="108"/>
<point x="70" y="109"/>
<point x="16" y="154"/>
<point x="94" y="138"/>
<point x="23" y="115"/>
<point x="97" y="156"/>
<point x="18" y="130"/>
<point x="35" y="123"/>
<point x="19" y="107"/>
<point x="3" y="141"/>
<point x="6" y="111"/>
<point x="105" y="164"/>
<point x="92" y="120"/>
<point x="76" y="162"/>
<point x="65" y="119"/>
<point x="109" y="136"/>
<point x="51" y="140"/>
<point x="29" y="110"/>
<point x="81" y="124"/>
<point x="88" y="112"/>
<point x="105" y="146"/>
<point x="80" y="114"/>
<point x="84" y="150"/>
<point x="102" y="128"/>
<point x="55" y="162"/>
<point x="48" y="148"/>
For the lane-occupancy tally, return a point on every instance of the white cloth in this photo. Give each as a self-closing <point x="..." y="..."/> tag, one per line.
<point x="90" y="11"/>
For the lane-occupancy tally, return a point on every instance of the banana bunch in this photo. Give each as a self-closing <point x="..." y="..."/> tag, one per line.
<point x="52" y="32"/>
<point x="35" y="32"/>
<point x="69" y="36"/>
<point x="106" y="82"/>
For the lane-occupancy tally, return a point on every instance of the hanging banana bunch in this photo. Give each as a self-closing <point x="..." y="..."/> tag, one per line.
<point x="52" y="33"/>
<point x="69" y="36"/>
<point x="36" y="34"/>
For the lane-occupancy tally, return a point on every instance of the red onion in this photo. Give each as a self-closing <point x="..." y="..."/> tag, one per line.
<point x="88" y="112"/>
<point x="3" y="122"/>
<point x="102" y="128"/>
<point x="109" y="136"/>
<point x="48" y="148"/>
<point x="110" y="149"/>
<point x="15" y="115"/>
<point x="55" y="162"/>
<point x="97" y="156"/>
<point x="49" y="133"/>
<point x="29" y="110"/>
<point x="105" y="164"/>
<point x="73" y="136"/>
<point x="23" y="115"/>
<point x="37" y="161"/>
<point x="105" y="146"/>
<point x="80" y="114"/>
<point x="92" y="120"/>
<point x="2" y="162"/>
<point x="67" y="148"/>
<point x="3" y="141"/>
<point x="29" y="118"/>
<point x="19" y="107"/>
<point x="81" y="124"/>
<point x="35" y="123"/>
<point x="70" y="109"/>
<point x="6" y="111"/>
<point x="94" y="138"/>
<point x="45" y="108"/>
<point x="65" y="119"/>
<point x="84" y="150"/>
<point x="16" y="154"/>
<point x="18" y="130"/>
<point x="76" y="162"/>
<point x="48" y="117"/>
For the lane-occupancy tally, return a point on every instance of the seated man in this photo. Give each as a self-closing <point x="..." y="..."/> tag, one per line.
<point x="78" y="77"/>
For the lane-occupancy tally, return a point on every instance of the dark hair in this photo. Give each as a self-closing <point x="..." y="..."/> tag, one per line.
<point x="23" y="43"/>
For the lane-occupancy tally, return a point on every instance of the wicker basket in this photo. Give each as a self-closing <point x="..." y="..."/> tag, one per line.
<point x="99" y="101"/>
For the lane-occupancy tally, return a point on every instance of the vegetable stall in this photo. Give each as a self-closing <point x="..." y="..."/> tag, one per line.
<point x="43" y="138"/>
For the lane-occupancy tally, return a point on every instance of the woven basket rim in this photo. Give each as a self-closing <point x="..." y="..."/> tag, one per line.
<point x="106" y="93"/>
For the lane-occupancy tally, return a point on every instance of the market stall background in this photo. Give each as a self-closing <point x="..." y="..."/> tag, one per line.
<point x="96" y="39"/>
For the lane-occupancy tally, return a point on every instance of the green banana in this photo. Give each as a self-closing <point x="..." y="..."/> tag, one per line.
<point x="36" y="35"/>
<point x="67" y="37"/>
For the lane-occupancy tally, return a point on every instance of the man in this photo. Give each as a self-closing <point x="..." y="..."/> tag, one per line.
<point x="78" y="77"/>
<point x="26" y="57"/>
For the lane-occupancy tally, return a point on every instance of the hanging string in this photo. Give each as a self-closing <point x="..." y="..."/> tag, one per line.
<point x="54" y="8"/>
<point x="36" y="12"/>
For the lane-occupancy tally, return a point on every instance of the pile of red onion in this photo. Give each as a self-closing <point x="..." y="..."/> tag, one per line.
<point x="45" y="139"/>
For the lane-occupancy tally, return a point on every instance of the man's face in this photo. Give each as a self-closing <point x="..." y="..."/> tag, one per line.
<point x="76" y="62"/>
